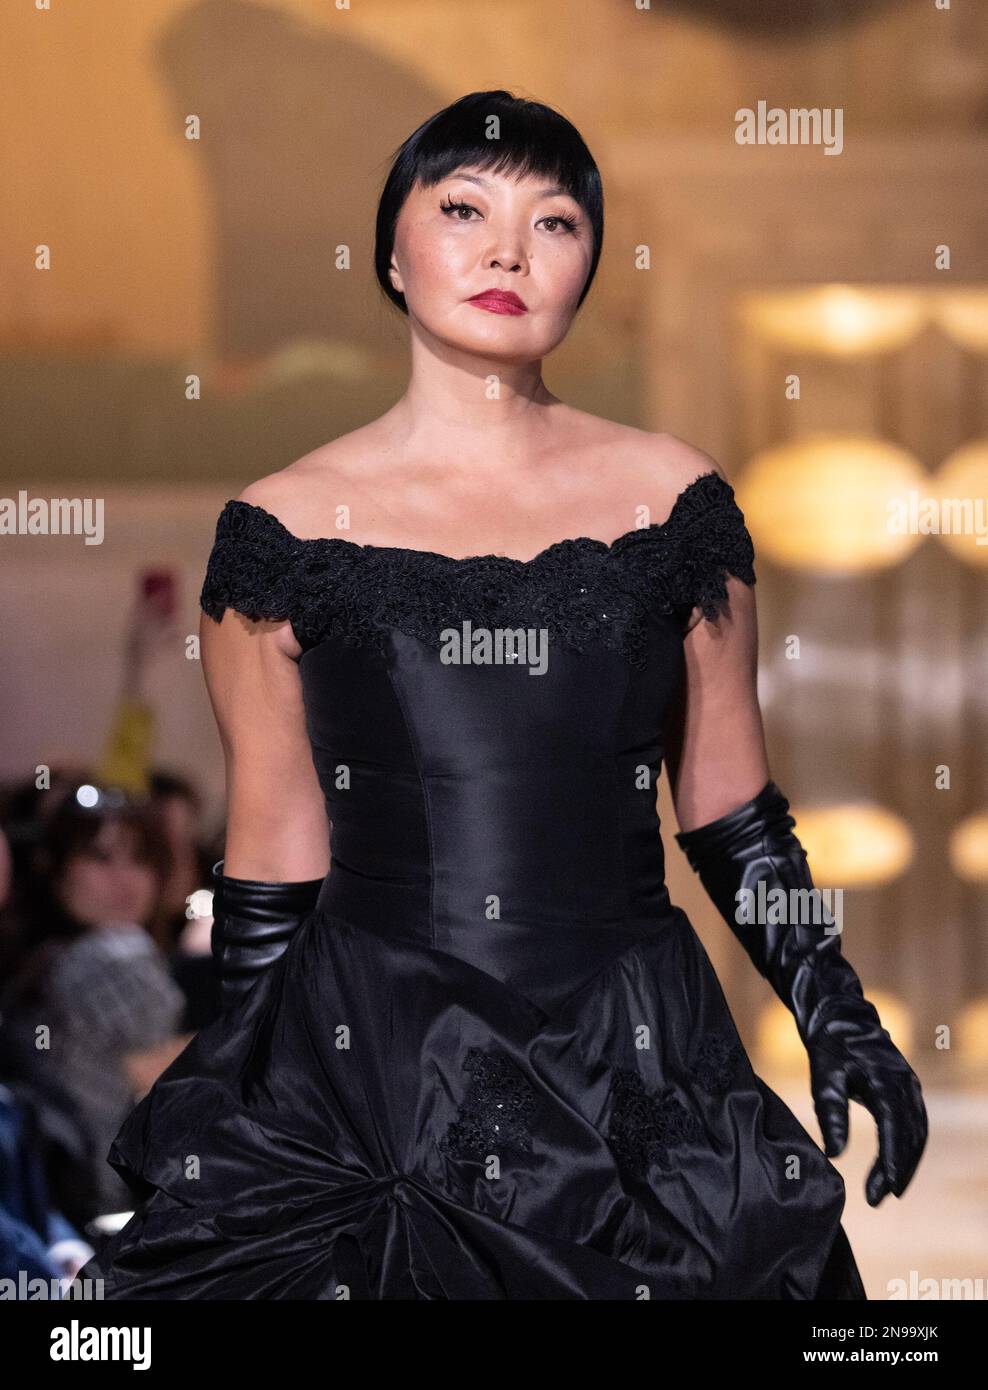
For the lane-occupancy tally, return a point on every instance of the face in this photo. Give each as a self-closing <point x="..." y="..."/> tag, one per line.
<point x="108" y="884"/>
<point x="478" y="231"/>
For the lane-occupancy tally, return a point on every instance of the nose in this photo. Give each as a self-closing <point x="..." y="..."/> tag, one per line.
<point x="508" y="256"/>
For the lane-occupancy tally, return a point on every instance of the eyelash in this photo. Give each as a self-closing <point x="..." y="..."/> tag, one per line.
<point x="566" y="219"/>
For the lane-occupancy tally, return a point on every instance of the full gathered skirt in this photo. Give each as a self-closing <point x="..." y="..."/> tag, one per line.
<point x="380" y="1119"/>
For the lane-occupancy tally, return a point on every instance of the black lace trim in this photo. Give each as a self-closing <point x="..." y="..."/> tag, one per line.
<point x="717" y="1063"/>
<point x="495" y="1112"/>
<point x="645" y="1126"/>
<point x="579" y="590"/>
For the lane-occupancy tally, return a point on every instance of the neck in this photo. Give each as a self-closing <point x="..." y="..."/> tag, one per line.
<point x="484" y="410"/>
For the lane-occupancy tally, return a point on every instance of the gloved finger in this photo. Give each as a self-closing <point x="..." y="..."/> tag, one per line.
<point x="896" y="1101"/>
<point x="913" y="1129"/>
<point x="893" y="1138"/>
<point x="830" y="1100"/>
<point x="877" y="1185"/>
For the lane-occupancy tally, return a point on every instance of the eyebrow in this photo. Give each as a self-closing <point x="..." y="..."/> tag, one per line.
<point x="484" y="183"/>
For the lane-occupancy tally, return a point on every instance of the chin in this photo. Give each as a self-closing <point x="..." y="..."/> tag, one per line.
<point x="493" y="346"/>
<point x="507" y="340"/>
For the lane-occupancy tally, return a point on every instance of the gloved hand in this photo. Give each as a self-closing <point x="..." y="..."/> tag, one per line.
<point x="851" y="1055"/>
<point x="253" y="922"/>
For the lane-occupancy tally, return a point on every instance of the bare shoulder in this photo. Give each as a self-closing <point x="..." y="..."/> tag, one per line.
<point x="655" y="467"/>
<point x="306" y="494"/>
<point x="668" y="460"/>
<point x="682" y="461"/>
<point x="293" y="495"/>
<point x="657" y="452"/>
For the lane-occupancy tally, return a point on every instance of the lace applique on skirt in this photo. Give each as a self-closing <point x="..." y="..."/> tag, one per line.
<point x="717" y="1062"/>
<point x="646" y="1124"/>
<point x="495" y="1112"/>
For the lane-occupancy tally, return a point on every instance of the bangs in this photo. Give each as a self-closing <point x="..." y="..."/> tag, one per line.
<point x="530" y="144"/>
<point x="494" y="132"/>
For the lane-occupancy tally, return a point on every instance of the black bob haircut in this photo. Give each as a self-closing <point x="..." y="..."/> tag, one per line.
<point x="533" y="140"/>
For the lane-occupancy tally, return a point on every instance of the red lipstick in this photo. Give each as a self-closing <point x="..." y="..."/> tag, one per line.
<point x="499" y="302"/>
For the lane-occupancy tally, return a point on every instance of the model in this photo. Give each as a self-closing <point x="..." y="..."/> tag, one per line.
<point x="471" y="1049"/>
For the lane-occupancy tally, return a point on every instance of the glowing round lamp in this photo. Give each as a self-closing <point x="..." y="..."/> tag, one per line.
<point x="838" y="320"/>
<point x="777" y="1039"/>
<point x="968" y="848"/>
<point x="854" y="844"/>
<point x="828" y="503"/>
<point x="972" y="1032"/>
<point x="963" y="479"/>
<point x="963" y="315"/>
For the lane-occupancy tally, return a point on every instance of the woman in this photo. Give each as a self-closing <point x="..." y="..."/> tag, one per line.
<point x="91" y="1015"/>
<point x="481" y="1055"/>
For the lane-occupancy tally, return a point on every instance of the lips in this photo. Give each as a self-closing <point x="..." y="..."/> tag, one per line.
<point x="499" y="302"/>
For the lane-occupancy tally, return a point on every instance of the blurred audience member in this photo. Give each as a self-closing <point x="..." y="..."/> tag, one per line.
<point x="92" y="1014"/>
<point x="36" y="1240"/>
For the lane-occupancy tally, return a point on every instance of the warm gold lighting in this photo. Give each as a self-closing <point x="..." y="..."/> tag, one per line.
<point x="854" y="844"/>
<point x="895" y="1015"/>
<point x="780" y="1047"/>
<point x="777" y="1039"/>
<point x="963" y="314"/>
<point x="972" y="1032"/>
<point x="968" y="848"/>
<point x="838" y="320"/>
<point x="824" y="502"/>
<point x="313" y="356"/>
<point x="963" y="479"/>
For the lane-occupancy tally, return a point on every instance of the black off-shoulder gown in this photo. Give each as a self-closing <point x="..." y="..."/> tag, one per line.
<point x="495" y="1061"/>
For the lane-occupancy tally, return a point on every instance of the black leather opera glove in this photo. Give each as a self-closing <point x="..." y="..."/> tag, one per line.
<point x="851" y="1055"/>
<point x="253" y="922"/>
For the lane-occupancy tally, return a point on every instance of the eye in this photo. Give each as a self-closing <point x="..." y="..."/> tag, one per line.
<point x="566" y="220"/>
<point x="452" y="207"/>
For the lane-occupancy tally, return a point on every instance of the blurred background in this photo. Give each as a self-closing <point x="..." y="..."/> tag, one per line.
<point x="187" y="303"/>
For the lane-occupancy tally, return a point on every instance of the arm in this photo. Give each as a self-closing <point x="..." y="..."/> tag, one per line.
<point x="737" y="834"/>
<point x="277" y="838"/>
<point x="142" y="1068"/>
<point x="277" y="828"/>
<point x="715" y="743"/>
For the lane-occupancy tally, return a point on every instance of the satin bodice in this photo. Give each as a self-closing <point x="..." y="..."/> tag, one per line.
<point x="501" y="810"/>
